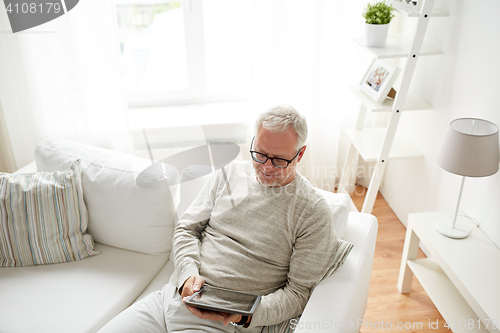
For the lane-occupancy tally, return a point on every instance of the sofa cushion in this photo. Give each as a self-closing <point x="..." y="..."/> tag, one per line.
<point x="339" y="204"/>
<point x="43" y="218"/>
<point x="193" y="179"/>
<point x="121" y="214"/>
<point x="77" y="297"/>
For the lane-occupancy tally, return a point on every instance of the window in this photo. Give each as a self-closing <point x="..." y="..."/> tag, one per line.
<point x="182" y="52"/>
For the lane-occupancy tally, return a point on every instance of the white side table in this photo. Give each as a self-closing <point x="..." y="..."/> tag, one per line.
<point x="461" y="276"/>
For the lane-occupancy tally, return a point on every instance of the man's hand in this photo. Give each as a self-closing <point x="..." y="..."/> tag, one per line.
<point x="195" y="283"/>
<point x="192" y="285"/>
<point x="226" y="318"/>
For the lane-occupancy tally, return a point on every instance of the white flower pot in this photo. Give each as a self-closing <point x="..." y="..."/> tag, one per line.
<point x="376" y="34"/>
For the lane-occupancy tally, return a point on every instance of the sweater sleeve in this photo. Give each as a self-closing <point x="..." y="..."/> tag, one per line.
<point x="310" y="259"/>
<point x="188" y="232"/>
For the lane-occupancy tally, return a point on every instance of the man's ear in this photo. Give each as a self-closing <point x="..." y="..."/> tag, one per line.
<point x="302" y="151"/>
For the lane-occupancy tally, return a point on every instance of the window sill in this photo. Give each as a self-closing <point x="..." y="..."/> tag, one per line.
<point x="188" y="125"/>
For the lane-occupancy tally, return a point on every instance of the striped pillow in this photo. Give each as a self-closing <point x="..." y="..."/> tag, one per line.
<point x="341" y="252"/>
<point x="43" y="218"/>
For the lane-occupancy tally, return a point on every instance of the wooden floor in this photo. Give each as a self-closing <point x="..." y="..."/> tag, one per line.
<point x="386" y="307"/>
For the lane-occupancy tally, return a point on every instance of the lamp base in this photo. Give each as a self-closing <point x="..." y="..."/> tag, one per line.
<point x="445" y="227"/>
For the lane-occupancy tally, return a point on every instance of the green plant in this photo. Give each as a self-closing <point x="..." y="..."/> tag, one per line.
<point x="378" y="13"/>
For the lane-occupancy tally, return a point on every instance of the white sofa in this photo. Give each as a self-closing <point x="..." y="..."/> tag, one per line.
<point x="132" y="227"/>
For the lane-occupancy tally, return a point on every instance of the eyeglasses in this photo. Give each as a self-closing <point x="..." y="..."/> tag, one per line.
<point x="277" y="162"/>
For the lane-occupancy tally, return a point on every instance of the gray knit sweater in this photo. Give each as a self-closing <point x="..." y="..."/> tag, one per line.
<point x="275" y="242"/>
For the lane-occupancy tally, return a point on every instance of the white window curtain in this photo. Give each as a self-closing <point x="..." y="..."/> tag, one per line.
<point x="301" y="58"/>
<point x="63" y="79"/>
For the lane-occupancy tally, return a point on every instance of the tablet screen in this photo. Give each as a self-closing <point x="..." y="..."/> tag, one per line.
<point x="224" y="300"/>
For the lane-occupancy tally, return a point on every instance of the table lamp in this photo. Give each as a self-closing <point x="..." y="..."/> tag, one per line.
<point x="470" y="149"/>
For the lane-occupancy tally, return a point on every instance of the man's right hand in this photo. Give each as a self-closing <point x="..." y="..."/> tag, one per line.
<point x="193" y="284"/>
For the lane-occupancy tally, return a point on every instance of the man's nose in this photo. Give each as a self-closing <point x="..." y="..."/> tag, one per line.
<point x="268" y="165"/>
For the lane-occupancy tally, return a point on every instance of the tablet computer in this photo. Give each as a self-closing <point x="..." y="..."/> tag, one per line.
<point x="224" y="300"/>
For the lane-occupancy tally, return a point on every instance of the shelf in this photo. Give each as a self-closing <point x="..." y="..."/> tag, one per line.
<point x="368" y="143"/>
<point x="397" y="46"/>
<point x="411" y="12"/>
<point x="466" y="261"/>
<point x="413" y="102"/>
<point x="448" y="300"/>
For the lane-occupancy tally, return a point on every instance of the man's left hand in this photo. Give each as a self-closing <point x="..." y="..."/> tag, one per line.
<point x="226" y="318"/>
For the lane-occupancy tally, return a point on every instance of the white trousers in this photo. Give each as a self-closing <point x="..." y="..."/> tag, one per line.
<point x="159" y="313"/>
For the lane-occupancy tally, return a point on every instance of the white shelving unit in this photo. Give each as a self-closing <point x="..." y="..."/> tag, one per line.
<point x="413" y="102"/>
<point x="368" y="142"/>
<point x="397" y="46"/>
<point x="381" y="144"/>
<point x="410" y="12"/>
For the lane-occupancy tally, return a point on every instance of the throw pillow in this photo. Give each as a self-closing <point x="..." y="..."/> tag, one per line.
<point x="340" y="255"/>
<point x="121" y="213"/>
<point x="43" y="218"/>
<point x="342" y="251"/>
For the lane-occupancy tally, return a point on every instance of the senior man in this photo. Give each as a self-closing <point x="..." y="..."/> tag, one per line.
<point x="258" y="228"/>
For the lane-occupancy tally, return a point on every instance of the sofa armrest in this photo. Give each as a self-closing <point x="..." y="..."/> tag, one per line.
<point x="338" y="303"/>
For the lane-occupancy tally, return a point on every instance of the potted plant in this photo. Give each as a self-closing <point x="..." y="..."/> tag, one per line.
<point x="377" y="16"/>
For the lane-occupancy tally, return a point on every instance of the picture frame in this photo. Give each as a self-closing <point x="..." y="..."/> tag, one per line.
<point x="378" y="79"/>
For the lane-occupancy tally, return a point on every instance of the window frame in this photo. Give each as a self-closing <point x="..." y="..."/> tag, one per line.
<point x="196" y="92"/>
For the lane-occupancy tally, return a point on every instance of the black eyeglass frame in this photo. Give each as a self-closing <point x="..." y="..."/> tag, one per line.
<point x="272" y="158"/>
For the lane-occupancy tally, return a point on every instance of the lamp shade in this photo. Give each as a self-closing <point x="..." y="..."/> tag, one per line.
<point x="471" y="148"/>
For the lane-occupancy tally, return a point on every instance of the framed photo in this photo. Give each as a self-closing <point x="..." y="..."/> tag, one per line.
<point x="378" y="80"/>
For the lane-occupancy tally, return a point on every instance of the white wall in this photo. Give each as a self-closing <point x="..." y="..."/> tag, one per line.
<point x="464" y="82"/>
<point x="7" y="163"/>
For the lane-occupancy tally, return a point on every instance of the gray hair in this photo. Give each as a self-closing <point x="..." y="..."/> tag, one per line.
<point x="280" y="118"/>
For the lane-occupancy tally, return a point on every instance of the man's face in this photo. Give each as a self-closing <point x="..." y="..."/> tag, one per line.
<point x="282" y="145"/>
